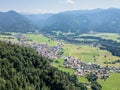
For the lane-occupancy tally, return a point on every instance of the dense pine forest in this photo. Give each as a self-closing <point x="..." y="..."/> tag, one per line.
<point x="21" y="68"/>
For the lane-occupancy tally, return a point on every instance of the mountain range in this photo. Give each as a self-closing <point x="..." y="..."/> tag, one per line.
<point x="77" y="21"/>
<point x="80" y="21"/>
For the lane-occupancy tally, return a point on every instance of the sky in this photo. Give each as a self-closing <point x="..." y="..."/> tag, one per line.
<point x="54" y="6"/>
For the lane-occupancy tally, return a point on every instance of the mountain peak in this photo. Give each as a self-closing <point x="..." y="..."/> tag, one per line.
<point x="12" y="12"/>
<point x="12" y="21"/>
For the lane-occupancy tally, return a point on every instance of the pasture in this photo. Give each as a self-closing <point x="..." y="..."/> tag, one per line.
<point x="112" y="83"/>
<point x="90" y="54"/>
<point x="39" y="38"/>
<point x="59" y="65"/>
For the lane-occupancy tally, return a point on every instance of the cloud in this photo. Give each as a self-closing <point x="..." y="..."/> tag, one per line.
<point x="70" y="1"/>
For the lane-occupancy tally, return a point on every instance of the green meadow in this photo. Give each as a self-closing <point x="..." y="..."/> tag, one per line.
<point x="90" y="54"/>
<point x="39" y="38"/>
<point x="112" y="83"/>
<point x="59" y="65"/>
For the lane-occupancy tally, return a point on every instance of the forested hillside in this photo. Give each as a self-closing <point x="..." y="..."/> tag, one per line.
<point x="23" y="69"/>
<point x="81" y="21"/>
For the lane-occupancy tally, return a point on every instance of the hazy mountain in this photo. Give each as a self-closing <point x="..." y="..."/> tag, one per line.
<point x="12" y="21"/>
<point x="81" y="21"/>
<point x="78" y="21"/>
<point x="38" y="19"/>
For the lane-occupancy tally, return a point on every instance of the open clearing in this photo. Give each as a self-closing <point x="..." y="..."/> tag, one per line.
<point x="112" y="83"/>
<point x="39" y="38"/>
<point x="90" y="54"/>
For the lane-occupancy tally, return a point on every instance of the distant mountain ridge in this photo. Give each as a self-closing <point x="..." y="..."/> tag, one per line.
<point x="77" y="21"/>
<point x="82" y="21"/>
<point x="39" y="19"/>
<point x="12" y="21"/>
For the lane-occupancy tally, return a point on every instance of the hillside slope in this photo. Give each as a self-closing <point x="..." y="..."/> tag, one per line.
<point x="23" y="69"/>
<point x="12" y="21"/>
<point x="83" y="21"/>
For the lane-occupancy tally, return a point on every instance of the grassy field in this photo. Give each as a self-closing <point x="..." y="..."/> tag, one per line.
<point x="82" y="79"/>
<point x="84" y="53"/>
<point x="41" y="39"/>
<point x="112" y="83"/>
<point x="59" y="65"/>
<point x="89" y="54"/>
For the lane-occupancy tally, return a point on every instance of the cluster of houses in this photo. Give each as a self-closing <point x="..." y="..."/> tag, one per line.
<point x="49" y="51"/>
<point x="83" y="69"/>
<point x="42" y="48"/>
<point x="20" y="37"/>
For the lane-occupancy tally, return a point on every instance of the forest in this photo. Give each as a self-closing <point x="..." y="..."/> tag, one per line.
<point x="21" y="68"/>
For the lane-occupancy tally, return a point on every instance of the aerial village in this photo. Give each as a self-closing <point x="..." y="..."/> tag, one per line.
<point x="55" y="52"/>
<point x="83" y="69"/>
<point x="52" y="52"/>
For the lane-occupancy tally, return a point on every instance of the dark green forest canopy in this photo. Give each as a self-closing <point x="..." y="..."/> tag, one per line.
<point x="21" y="68"/>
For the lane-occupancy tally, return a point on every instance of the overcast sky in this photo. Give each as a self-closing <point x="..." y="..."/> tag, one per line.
<point x="51" y="6"/>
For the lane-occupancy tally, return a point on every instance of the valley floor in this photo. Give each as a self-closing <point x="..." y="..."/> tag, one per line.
<point x="86" y="53"/>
